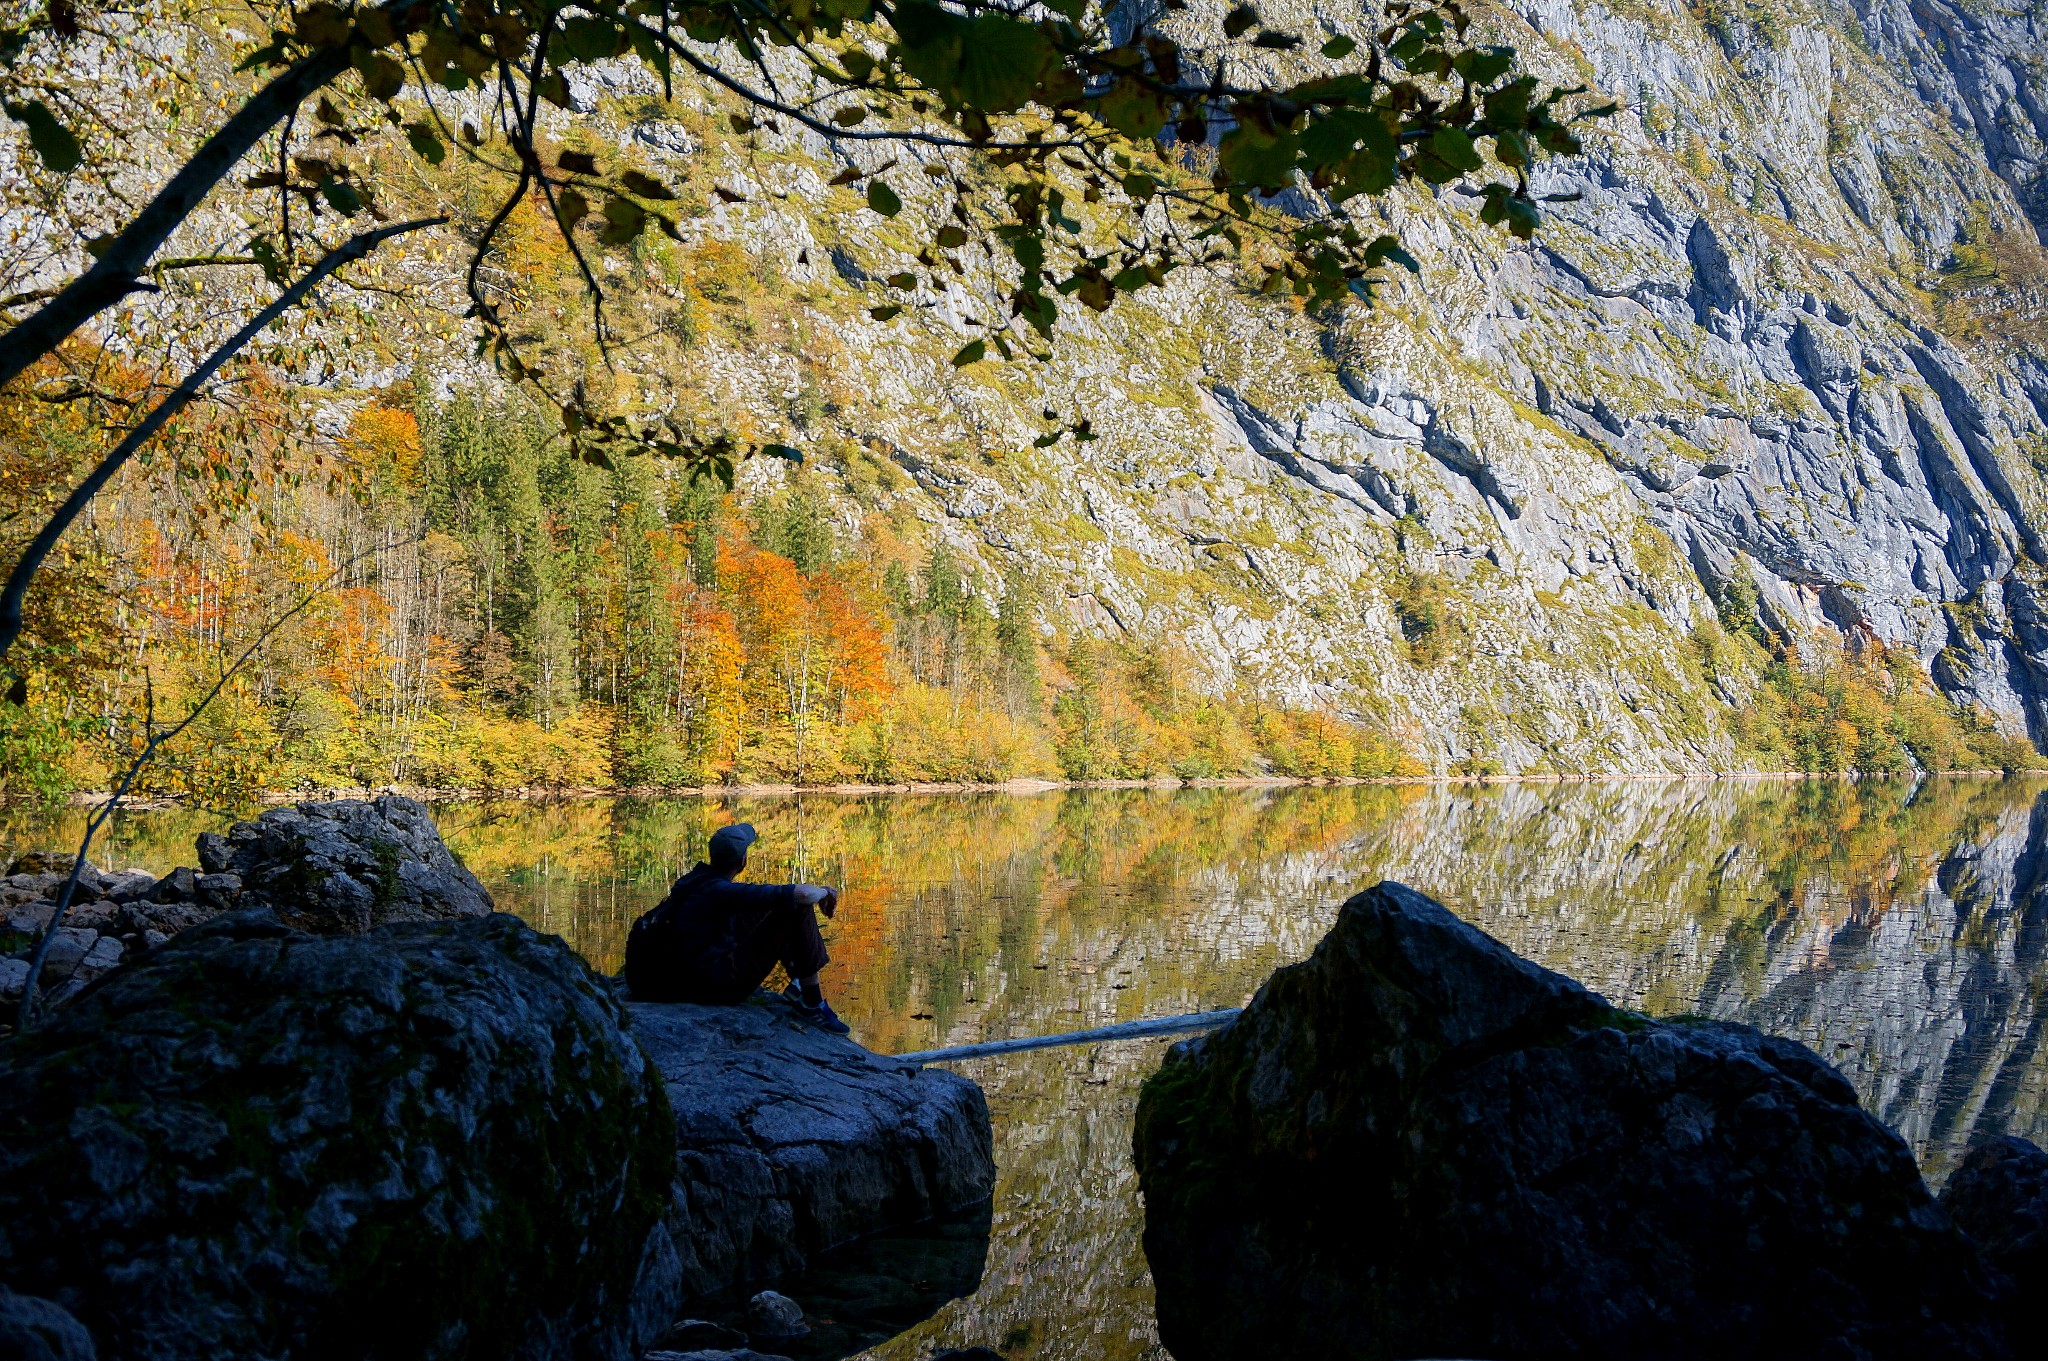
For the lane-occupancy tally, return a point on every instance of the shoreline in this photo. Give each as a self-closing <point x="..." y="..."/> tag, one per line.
<point x="578" y="793"/>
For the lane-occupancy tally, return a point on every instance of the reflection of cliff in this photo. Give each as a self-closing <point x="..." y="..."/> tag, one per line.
<point x="1897" y="930"/>
<point x="1931" y="1003"/>
<point x="1900" y="930"/>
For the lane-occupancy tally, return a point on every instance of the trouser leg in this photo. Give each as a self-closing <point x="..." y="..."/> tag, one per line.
<point x="787" y="935"/>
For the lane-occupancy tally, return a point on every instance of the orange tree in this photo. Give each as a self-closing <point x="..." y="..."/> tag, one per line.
<point x="1021" y="111"/>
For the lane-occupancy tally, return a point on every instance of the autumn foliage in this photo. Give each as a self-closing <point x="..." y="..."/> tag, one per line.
<point x="483" y="612"/>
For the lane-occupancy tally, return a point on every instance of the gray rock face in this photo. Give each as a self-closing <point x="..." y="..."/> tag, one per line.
<point x="1999" y="1197"/>
<point x="791" y="1141"/>
<point x="1417" y="1143"/>
<point x="347" y="865"/>
<point x="430" y="1140"/>
<point x="1982" y="66"/>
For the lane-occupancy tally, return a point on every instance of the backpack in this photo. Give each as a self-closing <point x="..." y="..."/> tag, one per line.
<point x="663" y="955"/>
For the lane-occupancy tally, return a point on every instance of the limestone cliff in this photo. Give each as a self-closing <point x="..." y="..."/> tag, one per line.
<point x="1783" y="361"/>
<point x="1746" y="371"/>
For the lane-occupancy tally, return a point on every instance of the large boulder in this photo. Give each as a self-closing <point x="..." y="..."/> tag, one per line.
<point x="1417" y="1143"/>
<point x="791" y="1141"/>
<point x="326" y="868"/>
<point x="37" y="1330"/>
<point x="343" y="866"/>
<point x="431" y="1140"/>
<point x="1998" y="1197"/>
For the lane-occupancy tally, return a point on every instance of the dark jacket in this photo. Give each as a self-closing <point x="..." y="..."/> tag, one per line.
<point x="683" y="949"/>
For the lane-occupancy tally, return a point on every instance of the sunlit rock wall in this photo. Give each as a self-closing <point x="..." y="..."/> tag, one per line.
<point x="1741" y="356"/>
<point x="1731" y="360"/>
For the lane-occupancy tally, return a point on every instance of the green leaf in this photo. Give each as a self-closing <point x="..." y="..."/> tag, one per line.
<point x="1252" y="155"/>
<point x="906" y="280"/>
<point x="1508" y="107"/>
<point x="951" y="237"/>
<point x="589" y="39"/>
<point x="990" y="64"/>
<point x="1409" y="46"/>
<point x="1332" y="139"/>
<point x="885" y="313"/>
<point x="1483" y="65"/>
<point x="930" y="40"/>
<point x="1132" y="109"/>
<point x="341" y="197"/>
<point x="1140" y="187"/>
<point x="1001" y="62"/>
<point x="382" y="76"/>
<point x="852" y="116"/>
<point x="1339" y="48"/>
<point x="883" y="199"/>
<point x="425" y="143"/>
<point x="53" y="142"/>
<point x="970" y="353"/>
<point x="1455" y="149"/>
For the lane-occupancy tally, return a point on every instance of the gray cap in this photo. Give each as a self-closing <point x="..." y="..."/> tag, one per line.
<point x="734" y="840"/>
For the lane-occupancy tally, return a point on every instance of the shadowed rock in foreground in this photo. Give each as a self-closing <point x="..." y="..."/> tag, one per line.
<point x="431" y="1140"/>
<point x="791" y="1141"/>
<point x="1417" y="1143"/>
<point x="1999" y="1197"/>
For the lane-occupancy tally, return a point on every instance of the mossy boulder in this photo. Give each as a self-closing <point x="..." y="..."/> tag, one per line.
<point x="1417" y="1143"/>
<point x="432" y="1140"/>
<point x="344" y="865"/>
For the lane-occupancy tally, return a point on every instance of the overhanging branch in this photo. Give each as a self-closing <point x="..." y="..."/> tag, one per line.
<point x="32" y="557"/>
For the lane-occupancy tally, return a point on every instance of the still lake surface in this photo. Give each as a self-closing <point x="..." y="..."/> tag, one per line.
<point x="1899" y="929"/>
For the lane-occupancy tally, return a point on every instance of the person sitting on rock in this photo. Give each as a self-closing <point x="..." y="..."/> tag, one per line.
<point x="714" y="941"/>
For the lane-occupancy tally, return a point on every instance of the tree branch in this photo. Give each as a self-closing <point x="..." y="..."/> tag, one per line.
<point x="119" y="268"/>
<point x="16" y="590"/>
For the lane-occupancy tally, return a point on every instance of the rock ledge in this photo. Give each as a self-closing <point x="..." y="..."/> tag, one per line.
<point x="791" y="1141"/>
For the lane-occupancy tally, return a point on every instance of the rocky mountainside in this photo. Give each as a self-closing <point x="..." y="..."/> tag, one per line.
<point x="1783" y="361"/>
<point x="1781" y="366"/>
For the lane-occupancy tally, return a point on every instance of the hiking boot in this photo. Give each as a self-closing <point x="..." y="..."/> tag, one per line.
<point x="822" y="1016"/>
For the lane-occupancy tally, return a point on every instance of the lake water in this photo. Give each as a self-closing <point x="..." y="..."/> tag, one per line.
<point x="1898" y="929"/>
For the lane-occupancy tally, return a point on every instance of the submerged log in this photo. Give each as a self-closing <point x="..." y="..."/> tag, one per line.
<point x="1125" y="1030"/>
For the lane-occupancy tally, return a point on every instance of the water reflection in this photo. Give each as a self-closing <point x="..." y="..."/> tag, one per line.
<point x="1898" y="929"/>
